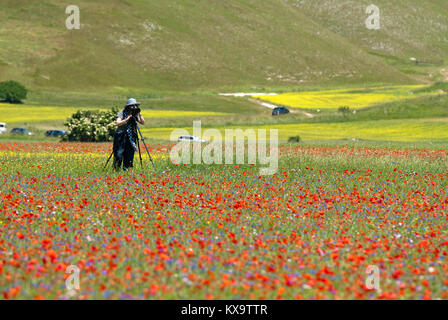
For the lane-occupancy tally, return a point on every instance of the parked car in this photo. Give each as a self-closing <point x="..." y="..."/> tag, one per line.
<point x="21" y="131"/>
<point x="55" y="133"/>
<point x="190" y="138"/>
<point x="3" y="127"/>
<point x="279" y="110"/>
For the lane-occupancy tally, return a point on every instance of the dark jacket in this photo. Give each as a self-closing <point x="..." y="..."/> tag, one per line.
<point x="124" y="133"/>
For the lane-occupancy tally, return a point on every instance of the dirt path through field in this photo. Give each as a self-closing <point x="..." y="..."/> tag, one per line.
<point x="262" y="103"/>
<point x="273" y="106"/>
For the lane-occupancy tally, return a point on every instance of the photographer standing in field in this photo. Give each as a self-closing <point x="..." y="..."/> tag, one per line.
<point x="125" y="139"/>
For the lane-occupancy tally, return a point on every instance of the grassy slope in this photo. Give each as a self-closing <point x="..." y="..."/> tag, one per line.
<point x="179" y="45"/>
<point x="409" y="28"/>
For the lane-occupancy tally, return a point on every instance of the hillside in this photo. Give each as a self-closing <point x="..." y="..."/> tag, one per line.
<point x="188" y="45"/>
<point x="409" y="29"/>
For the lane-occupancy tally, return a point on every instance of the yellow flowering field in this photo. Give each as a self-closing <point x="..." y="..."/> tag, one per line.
<point x="11" y="113"/>
<point x="353" y="98"/>
<point x="405" y="130"/>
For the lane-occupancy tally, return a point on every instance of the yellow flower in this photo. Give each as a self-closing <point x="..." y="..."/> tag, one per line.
<point x="333" y="99"/>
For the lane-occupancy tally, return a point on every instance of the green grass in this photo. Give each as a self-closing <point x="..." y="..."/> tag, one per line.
<point x="405" y="130"/>
<point x="174" y="46"/>
<point x="408" y="29"/>
<point x="200" y="101"/>
<point x="436" y="87"/>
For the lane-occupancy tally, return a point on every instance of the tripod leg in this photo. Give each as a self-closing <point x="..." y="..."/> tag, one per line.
<point x="107" y="162"/>
<point x="139" y="152"/>
<point x="143" y="140"/>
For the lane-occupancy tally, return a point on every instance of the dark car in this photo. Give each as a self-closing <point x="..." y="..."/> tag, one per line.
<point x="21" y="131"/>
<point x="280" y="110"/>
<point x="55" y="133"/>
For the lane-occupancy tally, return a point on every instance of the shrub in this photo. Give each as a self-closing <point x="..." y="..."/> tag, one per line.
<point x="12" y="91"/>
<point x="345" y="110"/>
<point x="295" y="139"/>
<point x="91" y="125"/>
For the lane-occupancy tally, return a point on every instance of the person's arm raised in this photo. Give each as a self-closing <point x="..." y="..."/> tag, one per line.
<point x="140" y="119"/>
<point x="121" y="122"/>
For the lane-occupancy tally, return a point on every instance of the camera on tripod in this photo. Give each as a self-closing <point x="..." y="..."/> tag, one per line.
<point x="134" y="110"/>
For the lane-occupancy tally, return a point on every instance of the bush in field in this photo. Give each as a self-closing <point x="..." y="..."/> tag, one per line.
<point x="295" y="139"/>
<point x="345" y="110"/>
<point x="12" y="91"/>
<point x="91" y="125"/>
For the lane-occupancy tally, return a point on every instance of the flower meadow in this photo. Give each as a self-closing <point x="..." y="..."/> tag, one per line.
<point x="223" y="232"/>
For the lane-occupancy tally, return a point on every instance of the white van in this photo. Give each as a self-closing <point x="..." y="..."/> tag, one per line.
<point x="2" y="127"/>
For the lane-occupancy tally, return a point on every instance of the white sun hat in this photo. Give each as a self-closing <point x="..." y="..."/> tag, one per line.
<point x="132" y="102"/>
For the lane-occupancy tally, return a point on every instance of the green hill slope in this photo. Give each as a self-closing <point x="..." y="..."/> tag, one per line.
<point x="188" y="45"/>
<point x="408" y="29"/>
